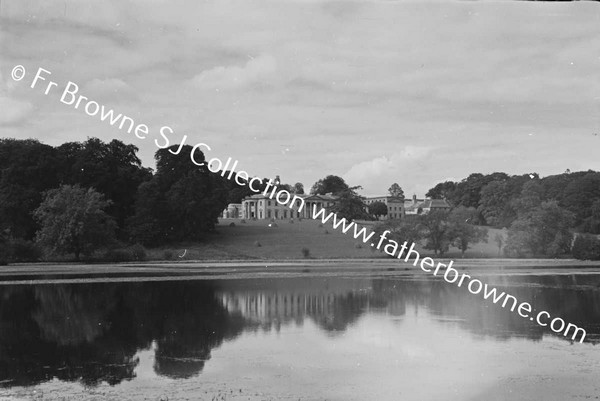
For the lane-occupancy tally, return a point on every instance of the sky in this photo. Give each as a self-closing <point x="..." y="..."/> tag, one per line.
<point x="413" y="92"/>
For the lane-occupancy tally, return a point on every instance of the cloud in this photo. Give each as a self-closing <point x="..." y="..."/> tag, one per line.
<point x="374" y="174"/>
<point x="109" y="88"/>
<point x="257" y="70"/>
<point x="13" y="110"/>
<point x="339" y="83"/>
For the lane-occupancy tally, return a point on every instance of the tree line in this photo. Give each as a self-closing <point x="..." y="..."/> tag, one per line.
<point x="551" y="216"/>
<point x="81" y="197"/>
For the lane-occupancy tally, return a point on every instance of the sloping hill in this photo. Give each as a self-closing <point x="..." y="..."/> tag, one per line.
<point x="286" y="240"/>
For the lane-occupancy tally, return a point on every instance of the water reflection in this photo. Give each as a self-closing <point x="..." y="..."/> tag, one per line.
<point x="92" y="333"/>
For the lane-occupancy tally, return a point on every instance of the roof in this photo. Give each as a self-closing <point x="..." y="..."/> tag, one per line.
<point x="306" y="197"/>
<point x="435" y="204"/>
<point x="427" y="204"/>
<point x="387" y="197"/>
<point x="410" y="202"/>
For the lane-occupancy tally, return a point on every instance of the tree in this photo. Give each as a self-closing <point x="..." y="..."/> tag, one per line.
<point x="408" y="230"/>
<point x="236" y="192"/>
<point x="443" y="190"/>
<point x="499" y="239"/>
<point x="148" y="225"/>
<point x="27" y="169"/>
<point x="4" y="248"/>
<point x="330" y="184"/>
<point x="462" y="231"/>
<point x="554" y="185"/>
<point x="72" y="220"/>
<point x="592" y="223"/>
<point x="586" y="247"/>
<point x="195" y="202"/>
<point x="298" y="188"/>
<point x="113" y="169"/>
<point x="580" y="195"/>
<point x="530" y="199"/>
<point x="396" y="190"/>
<point x="181" y="202"/>
<point x="437" y="231"/>
<point x="468" y="192"/>
<point x="543" y="231"/>
<point x="378" y="209"/>
<point x="494" y="204"/>
<point x="350" y="206"/>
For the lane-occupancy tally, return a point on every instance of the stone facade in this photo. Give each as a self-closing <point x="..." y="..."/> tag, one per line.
<point x="261" y="207"/>
<point x="395" y="205"/>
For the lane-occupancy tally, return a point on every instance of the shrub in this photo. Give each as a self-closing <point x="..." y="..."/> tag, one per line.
<point x="3" y="255"/>
<point x="168" y="254"/>
<point x="137" y="252"/>
<point x="306" y="252"/>
<point x="232" y="224"/>
<point x="243" y="221"/>
<point x="358" y="245"/>
<point x="257" y="244"/>
<point x="320" y="225"/>
<point x="118" y="255"/>
<point x="24" y="251"/>
<point x="586" y="247"/>
<point x="326" y="232"/>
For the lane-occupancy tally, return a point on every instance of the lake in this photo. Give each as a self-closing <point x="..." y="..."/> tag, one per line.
<point x="313" y="337"/>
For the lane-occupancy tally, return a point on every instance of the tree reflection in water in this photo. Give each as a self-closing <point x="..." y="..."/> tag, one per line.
<point x="92" y="332"/>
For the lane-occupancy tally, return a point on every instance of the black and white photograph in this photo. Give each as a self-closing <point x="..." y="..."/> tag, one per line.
<point x="299" y="200"/>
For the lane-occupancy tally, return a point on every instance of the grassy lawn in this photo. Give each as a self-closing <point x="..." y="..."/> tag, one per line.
<point x="286" y="241"/>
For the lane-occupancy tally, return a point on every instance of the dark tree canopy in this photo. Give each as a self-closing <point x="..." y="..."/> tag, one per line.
<point x="181" y="202"/>
<point x="113" y="169"/>
<point x="330" y="184"/>
<point x="541" y="231"/>
<point x="396" y="190"/>
<point x="72" y="220"/>
<point x="580" y="194"/>
<point x="443" y="190"/>
<point x="462" y="230"/>
<point x="436" y="229"/>
<point x="350" y="206"/>
<point x="378" y="209"/>
<point x="27" y="169"/>
<point x="298" y="188"/>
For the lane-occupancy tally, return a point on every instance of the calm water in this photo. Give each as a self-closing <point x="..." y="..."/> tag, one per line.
<point x="296" y="339"/>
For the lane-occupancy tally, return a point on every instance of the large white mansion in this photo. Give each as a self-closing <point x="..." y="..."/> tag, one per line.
<point x="262" y="207"/>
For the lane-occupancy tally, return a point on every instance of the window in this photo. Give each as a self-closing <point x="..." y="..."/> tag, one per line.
<point x="285" y="214"/>
<point x="269" y="213"/>
<point x="268" y="203"/>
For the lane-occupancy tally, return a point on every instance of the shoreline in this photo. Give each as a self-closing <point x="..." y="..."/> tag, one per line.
<point x="56" y="273"/>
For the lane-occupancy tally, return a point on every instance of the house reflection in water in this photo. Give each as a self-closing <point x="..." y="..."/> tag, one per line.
<point x="333" y="305"/>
